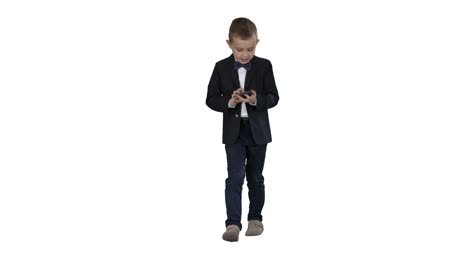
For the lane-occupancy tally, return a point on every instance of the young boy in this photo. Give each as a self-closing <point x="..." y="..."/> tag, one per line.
<point x="246" y="128"/>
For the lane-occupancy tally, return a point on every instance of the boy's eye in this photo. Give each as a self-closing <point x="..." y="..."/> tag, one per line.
<point x="239" y="50"/>
<point x="250" y="49"/>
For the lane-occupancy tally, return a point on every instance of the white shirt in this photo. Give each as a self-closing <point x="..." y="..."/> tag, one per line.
<point x="242" y="73"/>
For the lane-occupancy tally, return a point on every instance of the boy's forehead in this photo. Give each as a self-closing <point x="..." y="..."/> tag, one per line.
<point x="250" y="42"/>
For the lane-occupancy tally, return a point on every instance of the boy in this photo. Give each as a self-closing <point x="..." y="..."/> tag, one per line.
<point x="243" y="88"/>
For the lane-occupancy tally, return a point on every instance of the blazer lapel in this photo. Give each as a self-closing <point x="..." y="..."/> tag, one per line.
<point x="250" y="75"/>
<point x="235" y="78"/>
<point x="234" y="74"/>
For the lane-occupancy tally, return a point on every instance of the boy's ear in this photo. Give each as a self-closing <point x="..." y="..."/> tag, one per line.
<point x="258" y="41"/>
<point x="228" y="42"/>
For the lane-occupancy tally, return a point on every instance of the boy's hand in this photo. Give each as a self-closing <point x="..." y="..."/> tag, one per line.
<point x="235" y="97"/>
<point x="251" y="99"/>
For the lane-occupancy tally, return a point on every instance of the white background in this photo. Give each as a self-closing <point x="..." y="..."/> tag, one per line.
<point x="108" y="153"/>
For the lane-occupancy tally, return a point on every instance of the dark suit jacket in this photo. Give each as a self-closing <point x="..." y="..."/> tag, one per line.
<point x="225" y="80"/>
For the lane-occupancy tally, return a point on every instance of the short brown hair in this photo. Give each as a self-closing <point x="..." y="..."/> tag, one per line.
<point x="242" y="27"/>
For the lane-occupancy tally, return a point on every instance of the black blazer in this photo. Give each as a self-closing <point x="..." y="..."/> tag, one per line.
<point x="225" y="80"/>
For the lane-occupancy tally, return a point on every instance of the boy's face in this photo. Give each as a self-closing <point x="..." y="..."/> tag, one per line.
<point x="243" y="49"/>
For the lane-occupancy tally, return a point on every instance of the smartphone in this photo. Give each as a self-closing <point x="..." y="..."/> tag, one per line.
<point x="244" y="93"/>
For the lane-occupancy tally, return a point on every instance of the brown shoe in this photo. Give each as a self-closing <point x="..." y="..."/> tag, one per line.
<point x="232" y="233"/>
<point x="255" y="228"/>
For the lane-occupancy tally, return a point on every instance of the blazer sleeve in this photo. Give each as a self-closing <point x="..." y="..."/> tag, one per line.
<point x="215" y="99"/>
<point x="270" y="96"/>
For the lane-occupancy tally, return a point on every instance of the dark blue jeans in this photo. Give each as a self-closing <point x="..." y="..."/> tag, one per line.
<point x="244" y="158"/>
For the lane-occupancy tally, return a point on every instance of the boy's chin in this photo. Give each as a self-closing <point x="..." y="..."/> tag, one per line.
<point x="243" y="61"/>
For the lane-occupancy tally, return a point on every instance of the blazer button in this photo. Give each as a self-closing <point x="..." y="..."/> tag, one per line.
<point x="237" y="116"/>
